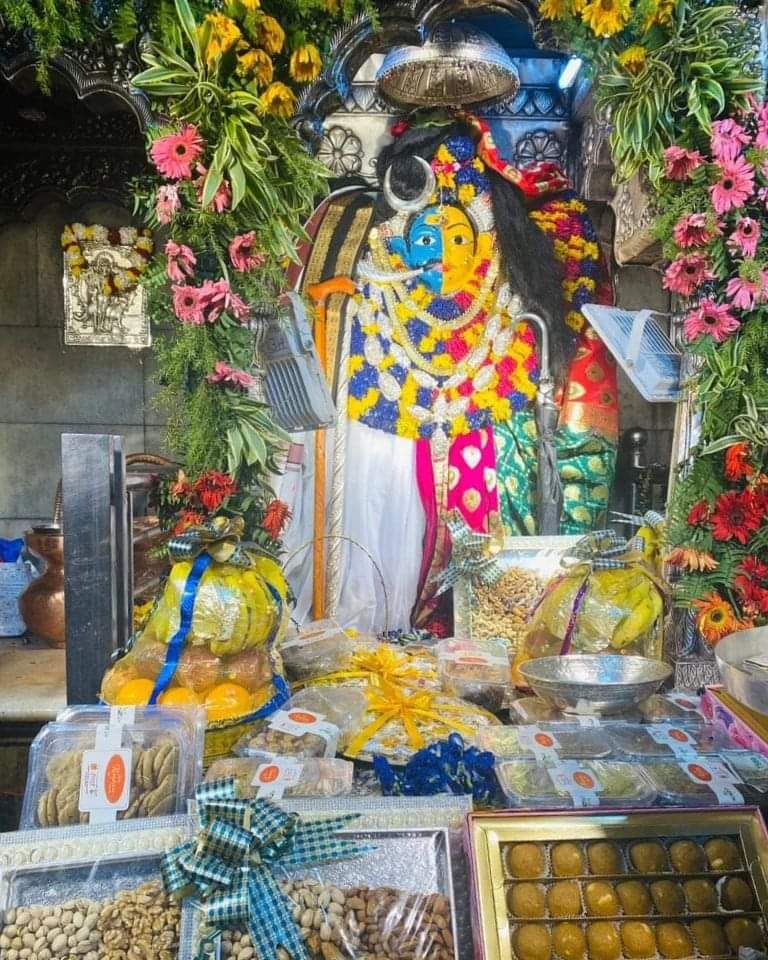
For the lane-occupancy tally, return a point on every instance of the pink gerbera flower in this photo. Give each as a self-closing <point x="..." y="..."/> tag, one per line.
<point x="745" y="237"/>
<point x="761" y="140"/>
<point x="728" y="139"/>
<point x="242" y="254"/>
<point x="181" y="261"/>
<point x="230" y="376"/>
<point x="167" y="203"/>
<point x="687" y="273"/>
<point x="692" y="230"/>
<point x="714" y="319"/>
<point x="744" y="294"/>
<point x="735" y="186"/>
<point x="223" y="196"/>
<point x="217" y="297"/>
<point x="175" y="154"/>
<point x="187" y="305"/>
<point x="679" y="163"/>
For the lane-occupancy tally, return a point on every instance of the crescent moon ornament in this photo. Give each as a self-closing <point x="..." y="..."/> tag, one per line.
<point x="418" y="202"/>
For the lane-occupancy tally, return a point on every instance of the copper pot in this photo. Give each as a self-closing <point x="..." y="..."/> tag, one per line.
<point x="42" y="603"/>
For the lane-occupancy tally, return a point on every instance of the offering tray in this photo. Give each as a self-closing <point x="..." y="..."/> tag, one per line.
<point x="595" y="684"/>
<point x="514" y="854"/>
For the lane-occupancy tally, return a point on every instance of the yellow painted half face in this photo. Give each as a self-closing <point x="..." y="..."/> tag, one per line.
<point x="459" y="249"/>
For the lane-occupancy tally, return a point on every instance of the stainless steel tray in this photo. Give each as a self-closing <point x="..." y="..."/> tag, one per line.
<point x="748" y="683"/>
<point x="50" y="866"/>
<point x="415" y="861"/>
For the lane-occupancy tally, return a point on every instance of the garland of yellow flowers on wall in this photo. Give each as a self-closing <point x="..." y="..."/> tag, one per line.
<point x="139" y="246"/>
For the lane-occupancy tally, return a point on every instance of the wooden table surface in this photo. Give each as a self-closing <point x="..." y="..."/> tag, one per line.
<point x="32" y="681"/>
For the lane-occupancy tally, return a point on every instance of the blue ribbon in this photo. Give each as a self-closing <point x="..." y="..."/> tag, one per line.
<point x="188" y="598"/>
<point x="10" y="550"/>
<point x="446" y="766"/>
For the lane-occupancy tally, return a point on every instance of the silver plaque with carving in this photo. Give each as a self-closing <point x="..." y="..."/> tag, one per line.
<point x="95" y="317"/>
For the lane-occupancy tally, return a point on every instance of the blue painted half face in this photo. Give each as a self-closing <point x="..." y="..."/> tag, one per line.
<point x="424" y="248"/>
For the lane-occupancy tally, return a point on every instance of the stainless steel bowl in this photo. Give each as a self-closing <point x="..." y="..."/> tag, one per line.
<point x="742" y="659"/>
<point x="585" y="684"/>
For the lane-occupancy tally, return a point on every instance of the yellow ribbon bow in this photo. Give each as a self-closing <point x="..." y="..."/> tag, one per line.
<point x="389" y="702"/>
<point x="379" y="666"/>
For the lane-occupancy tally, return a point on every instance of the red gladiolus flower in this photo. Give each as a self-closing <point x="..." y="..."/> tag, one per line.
<point x="754" y="569"/>
<point x="187" y="519"/>
<point x="213" y="488"/>
<point x="275" y="517"/>
<point x="735" y="516"/>
<point x="699" y="513"/>
<point x="181" y="488"/>
<point x="737" y="466"/>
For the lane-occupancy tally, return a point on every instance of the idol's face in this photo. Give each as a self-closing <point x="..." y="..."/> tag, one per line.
<point x="442" y="241"/>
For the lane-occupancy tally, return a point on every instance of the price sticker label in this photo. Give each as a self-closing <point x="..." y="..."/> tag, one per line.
<point x="272" y="779"/>
<point x="717" y="776"/>
<point x="543" y="744"/>
<point x="679" y="741"/>
<point x="581" y="784"/>
<point x="105" y="782"/>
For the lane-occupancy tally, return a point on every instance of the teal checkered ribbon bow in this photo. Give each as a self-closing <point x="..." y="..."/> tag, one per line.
<point x="470" y="557"/>
<point x="605" y="550"/>
<point x="229" y="867"/>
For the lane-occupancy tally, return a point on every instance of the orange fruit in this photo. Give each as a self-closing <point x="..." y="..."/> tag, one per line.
<point x="115" y="678"/>
<point x="178" y="697"/>
<point x="198" y="669"/>
<point x="250" y="669"/>
<point x="135" y="693"/>
<point x="227" y="701"/>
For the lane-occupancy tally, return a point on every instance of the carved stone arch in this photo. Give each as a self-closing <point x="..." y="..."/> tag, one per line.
<point x="83" y="142"/>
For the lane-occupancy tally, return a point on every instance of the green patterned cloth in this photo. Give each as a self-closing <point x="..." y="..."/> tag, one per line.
<point x="586" y="465"/>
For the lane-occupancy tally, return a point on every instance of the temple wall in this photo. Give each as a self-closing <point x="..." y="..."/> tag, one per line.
<point x="47" y="388"/>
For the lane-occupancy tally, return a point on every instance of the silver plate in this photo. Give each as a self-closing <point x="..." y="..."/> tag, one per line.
<point x="744" y="680"/>
<point x="586" y="684"/>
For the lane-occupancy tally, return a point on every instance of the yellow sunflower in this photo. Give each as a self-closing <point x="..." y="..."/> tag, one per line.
<point x="716" y="618"/>
<point x="271" y="34"/>
<point x="256" y="63"/>
<point x="606" y="17"/>
<point x="219" y="33"/>
<point x="305" y="64"/>
<point x="279" y="100"/>
<point x="554" y="9"/>
<point x="661" y="14"/>
<point x="633" y="59"/>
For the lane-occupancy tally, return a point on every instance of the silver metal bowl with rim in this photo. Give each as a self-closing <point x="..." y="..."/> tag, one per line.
<point x="595" y="684"/>
<point x="742" y="659"/>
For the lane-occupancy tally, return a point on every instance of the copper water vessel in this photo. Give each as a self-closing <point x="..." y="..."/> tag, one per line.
<point x="42" y="603"/>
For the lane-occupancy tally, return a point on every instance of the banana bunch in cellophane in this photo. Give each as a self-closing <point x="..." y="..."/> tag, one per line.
<point x="228" y="658"/>
<point x="596" y="611"/>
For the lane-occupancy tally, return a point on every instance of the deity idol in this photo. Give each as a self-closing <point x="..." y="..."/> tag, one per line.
<point x="437" y="370"/>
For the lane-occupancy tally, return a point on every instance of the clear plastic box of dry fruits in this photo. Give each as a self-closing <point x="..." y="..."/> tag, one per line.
<point x="104" y="764"/>
<point x="630" y="885"/>
<point x="89" y="893"/>
<point x="497" y="606"/>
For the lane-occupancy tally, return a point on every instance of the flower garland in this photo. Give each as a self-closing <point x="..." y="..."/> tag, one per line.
<point x="233" y="184"/>
<point x="664" y="69"/>
<point x="715" y="235"/>
<point x="122" y="279"/>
